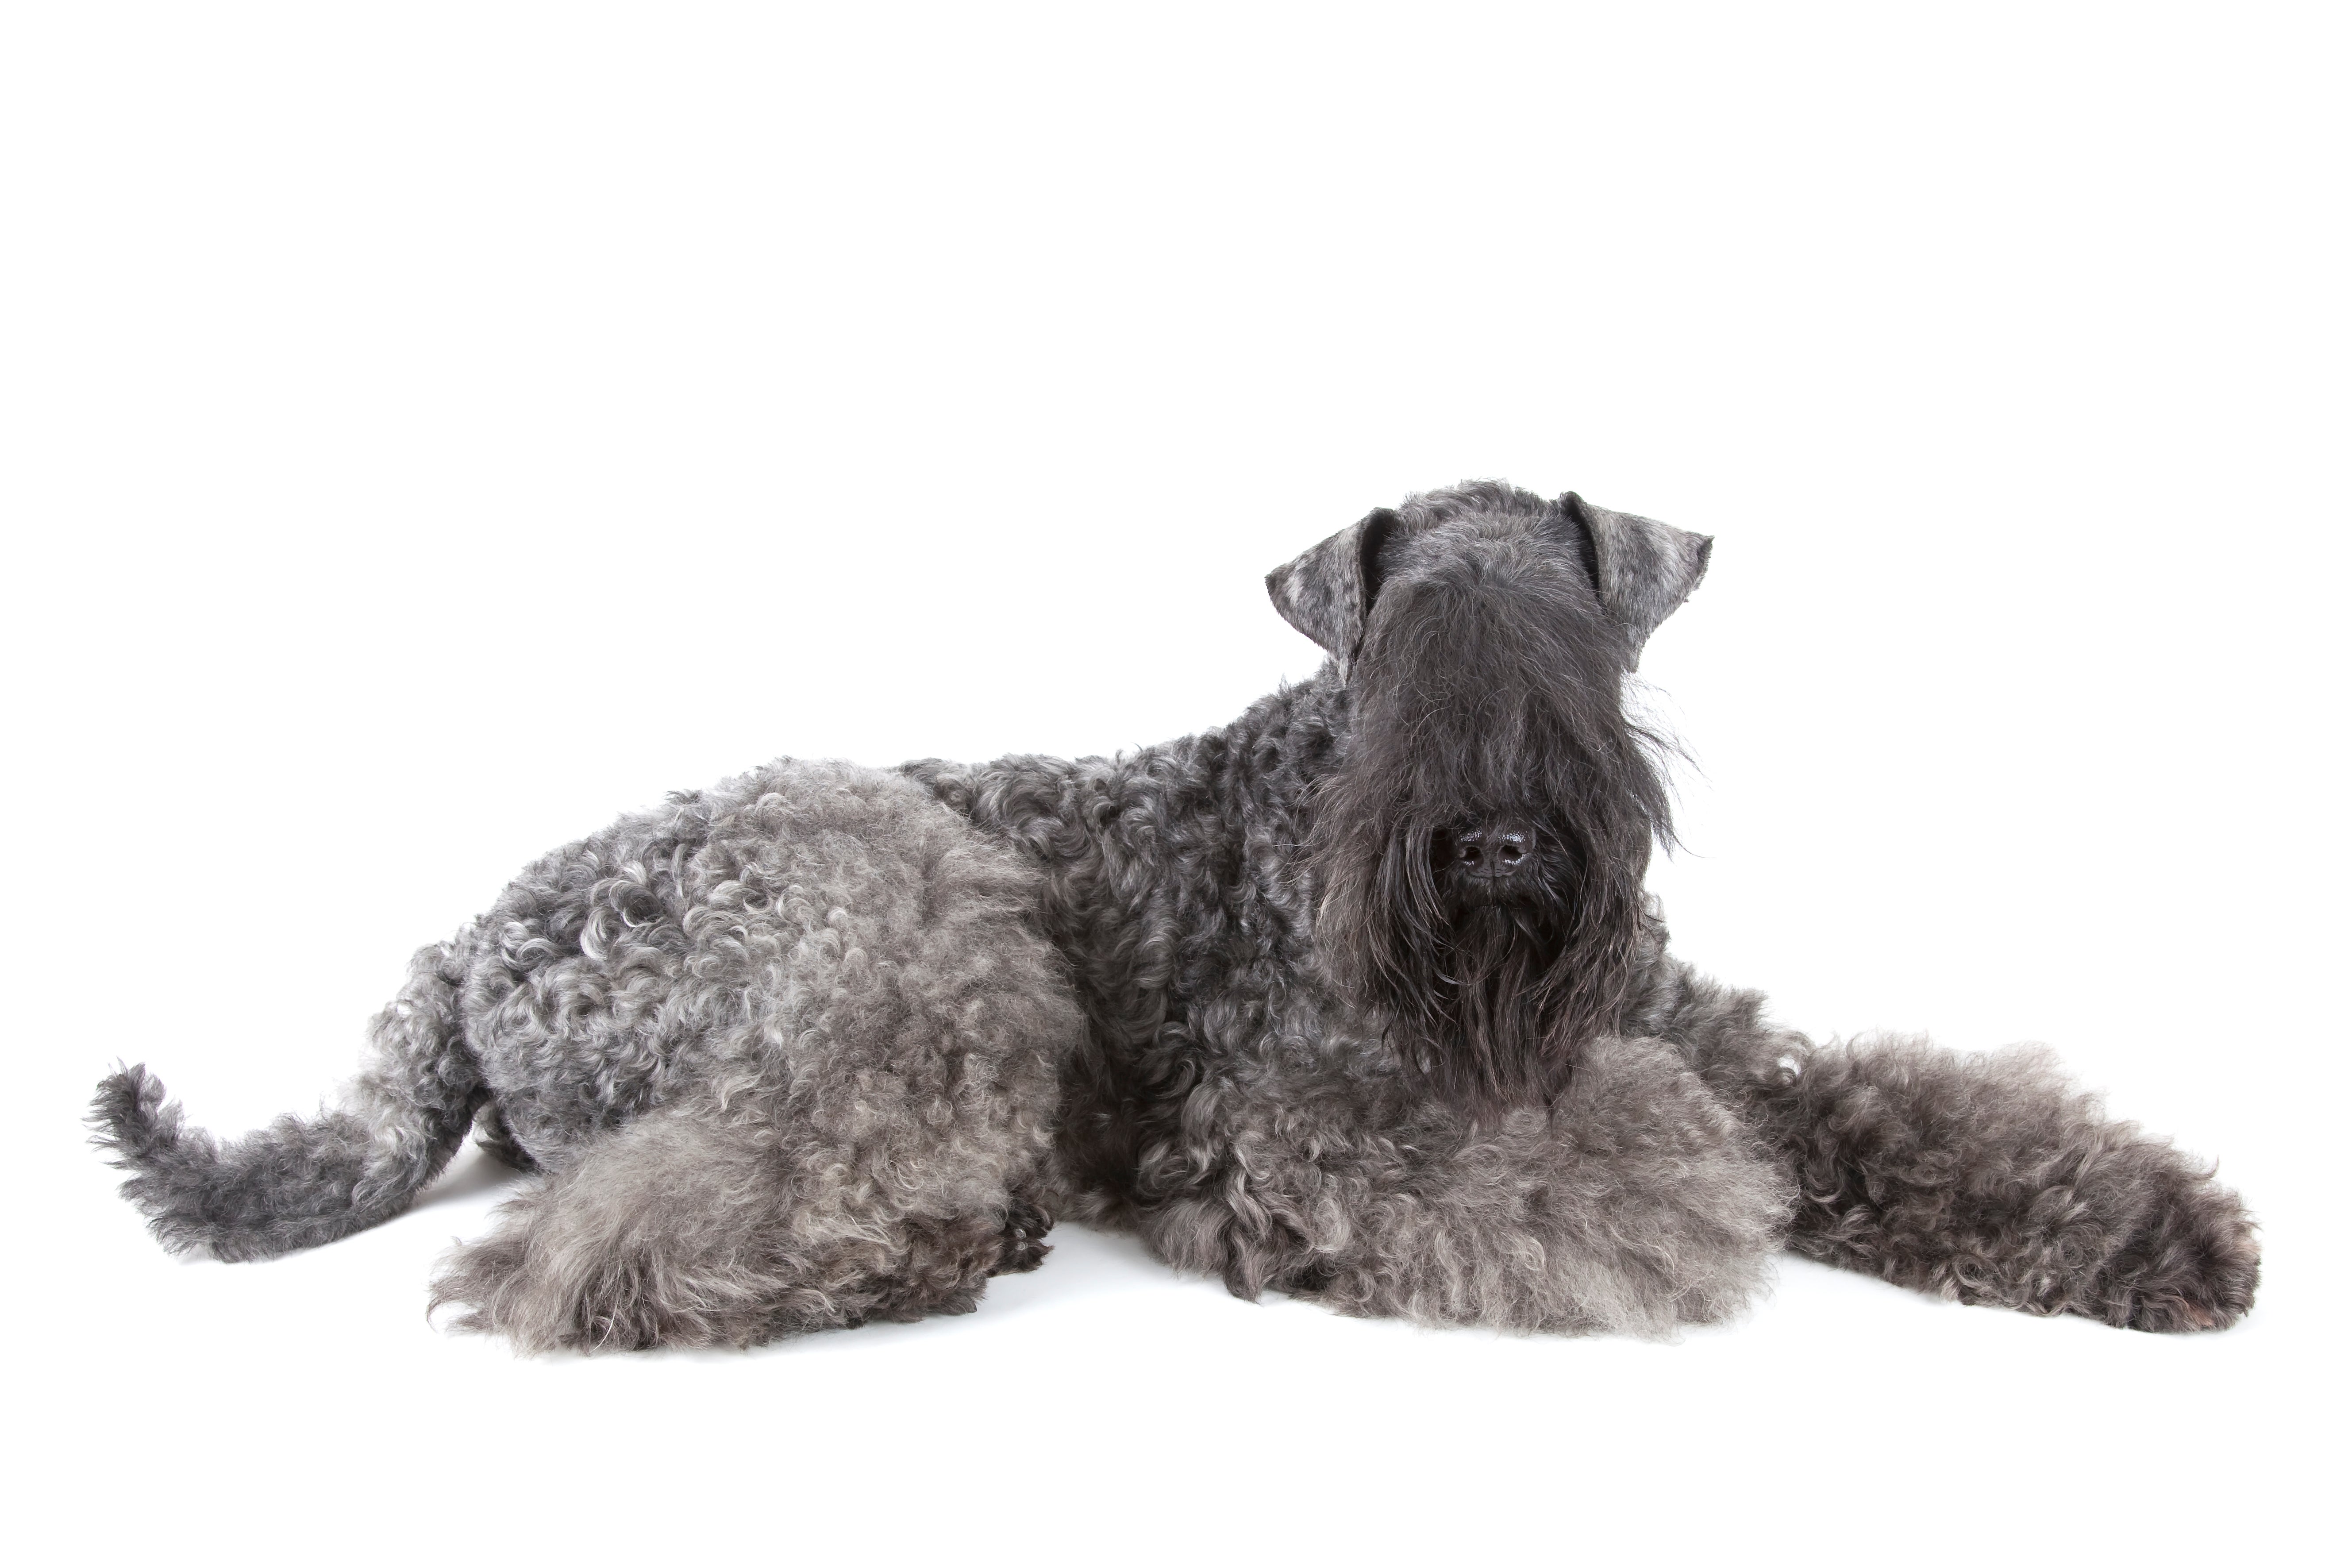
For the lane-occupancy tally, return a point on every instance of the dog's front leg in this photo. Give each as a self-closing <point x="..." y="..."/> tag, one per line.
<point x="1983" y="1178"/>
<point x="1636" y="1203"/>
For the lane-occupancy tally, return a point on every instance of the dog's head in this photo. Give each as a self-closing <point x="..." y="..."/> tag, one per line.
<point x="1481" y="845"/>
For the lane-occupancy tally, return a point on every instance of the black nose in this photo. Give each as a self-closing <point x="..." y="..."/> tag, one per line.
<point x="1496" y="852"/>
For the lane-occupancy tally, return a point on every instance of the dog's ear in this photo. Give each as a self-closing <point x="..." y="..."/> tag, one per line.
<point x="1328" y="591"/>
<point x="1643" y="569"/>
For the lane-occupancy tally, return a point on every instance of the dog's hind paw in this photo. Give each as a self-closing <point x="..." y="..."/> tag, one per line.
<point x="1025" y="1247"/>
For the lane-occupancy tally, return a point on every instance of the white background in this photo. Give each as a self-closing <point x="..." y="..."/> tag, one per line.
<point x="430" y="430"/>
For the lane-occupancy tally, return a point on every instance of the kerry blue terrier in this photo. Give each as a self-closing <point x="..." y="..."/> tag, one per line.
<point x="1358" y="997"/>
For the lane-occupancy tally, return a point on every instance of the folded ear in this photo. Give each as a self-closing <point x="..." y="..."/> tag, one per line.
<point x="1644" y="570"/>
<point x="1328" y="591"/>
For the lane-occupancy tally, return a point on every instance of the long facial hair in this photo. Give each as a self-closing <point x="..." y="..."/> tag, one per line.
<point x="1482" y="697"/>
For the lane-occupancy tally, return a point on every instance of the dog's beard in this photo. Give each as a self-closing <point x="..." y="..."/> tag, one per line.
<point x="1487" y="995"/>
<point x="1488" y="1022"/>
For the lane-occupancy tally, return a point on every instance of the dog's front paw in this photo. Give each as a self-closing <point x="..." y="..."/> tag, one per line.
<point x="2192" y="1262"/>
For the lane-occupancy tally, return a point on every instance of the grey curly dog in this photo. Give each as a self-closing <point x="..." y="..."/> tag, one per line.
<point x="1358" y="997"/>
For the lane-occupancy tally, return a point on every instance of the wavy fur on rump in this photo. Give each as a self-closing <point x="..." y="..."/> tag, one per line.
<point x="785" y="1051"/>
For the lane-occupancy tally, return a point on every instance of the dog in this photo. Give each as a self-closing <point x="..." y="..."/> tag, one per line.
<point x="1360" y="997"/>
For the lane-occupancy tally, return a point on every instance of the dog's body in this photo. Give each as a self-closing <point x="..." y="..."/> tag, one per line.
<point x="1375" y="1010"/>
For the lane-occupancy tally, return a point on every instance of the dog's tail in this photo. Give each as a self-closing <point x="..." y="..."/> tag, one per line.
<point x="300" y="1182"/>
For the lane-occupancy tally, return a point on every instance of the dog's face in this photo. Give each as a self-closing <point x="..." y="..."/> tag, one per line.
<point x="1481" y="846"/>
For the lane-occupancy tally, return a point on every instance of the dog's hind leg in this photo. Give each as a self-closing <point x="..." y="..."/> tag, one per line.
<point x="1983" y="1178"/>
<point x="685" y="1228"/>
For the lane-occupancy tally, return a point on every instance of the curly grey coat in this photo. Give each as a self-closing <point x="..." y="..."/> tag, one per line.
<point x="1358" y="997"/>
<point x="785" y="1050"/>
